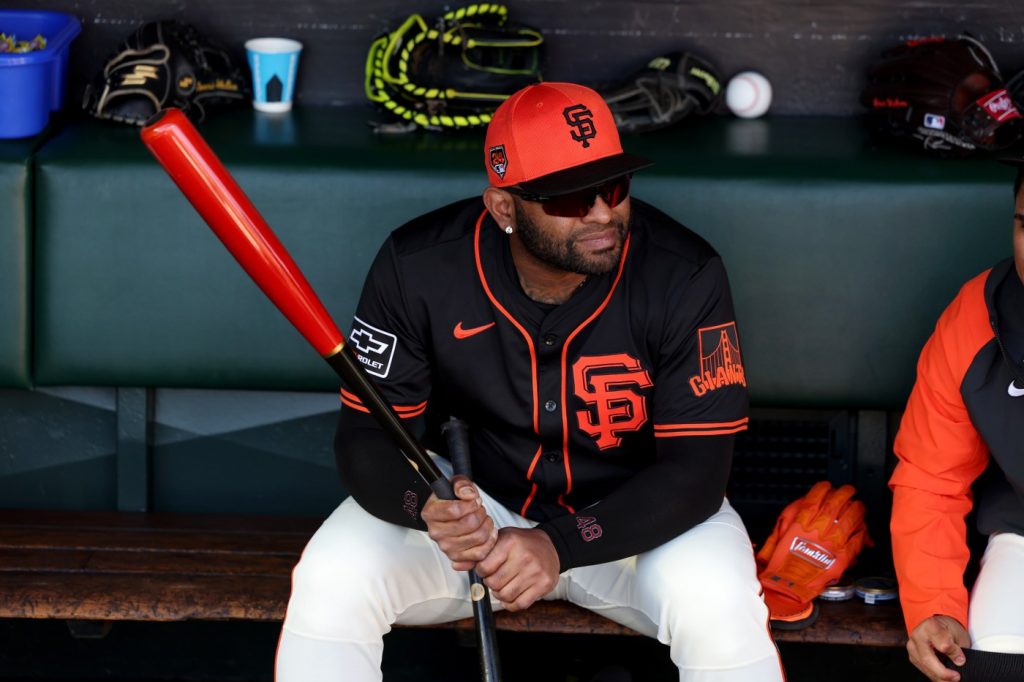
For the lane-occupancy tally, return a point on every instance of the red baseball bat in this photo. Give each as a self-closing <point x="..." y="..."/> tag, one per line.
<point x="206" y="183"/>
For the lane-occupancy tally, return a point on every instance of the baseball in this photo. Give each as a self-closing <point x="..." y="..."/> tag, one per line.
<point x="748" y="94"/>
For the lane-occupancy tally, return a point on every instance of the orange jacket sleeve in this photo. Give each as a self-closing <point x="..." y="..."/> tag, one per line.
<point x="940" y="455"/>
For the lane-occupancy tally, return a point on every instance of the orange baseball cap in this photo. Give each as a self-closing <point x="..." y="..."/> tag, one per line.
<point x="555" y="138"/>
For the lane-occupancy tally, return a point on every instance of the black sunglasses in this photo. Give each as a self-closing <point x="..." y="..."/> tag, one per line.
<point x="578" y="204"/>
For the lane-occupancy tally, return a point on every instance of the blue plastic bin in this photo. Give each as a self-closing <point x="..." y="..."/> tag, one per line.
<point x="32" y="84"/>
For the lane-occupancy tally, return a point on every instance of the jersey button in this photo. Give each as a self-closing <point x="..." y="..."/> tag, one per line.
<point x="550" y="339"/>
<point x="552" y="456"/>
<point x="551" y="406"/>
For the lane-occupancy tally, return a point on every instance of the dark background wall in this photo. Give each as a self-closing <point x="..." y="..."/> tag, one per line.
<point x="815" y="53"/>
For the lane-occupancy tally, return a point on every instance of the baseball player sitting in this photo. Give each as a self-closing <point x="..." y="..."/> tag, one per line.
<point x="961" y="440"/>
<point x="589" y="340"/>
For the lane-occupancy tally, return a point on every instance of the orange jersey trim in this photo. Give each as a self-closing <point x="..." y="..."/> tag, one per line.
<point x="404" y="411"/>
<point x="706" y="429"/>
<point x="508" y="316"/>
<point x="529" y="500"/>
<point x="529" y="477"/>
<point x="565" y="369"/>
<point x="535" y="391"/>
<point x="533" y="464"/>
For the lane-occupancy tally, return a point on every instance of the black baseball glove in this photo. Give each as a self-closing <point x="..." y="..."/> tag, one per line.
<point x="669" y="89"/>
<point x="451" y="73"/>
<point x="945" y="96"/>
<point x="164" y="64"/>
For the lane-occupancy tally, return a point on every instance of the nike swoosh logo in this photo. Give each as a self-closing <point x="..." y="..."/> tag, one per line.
<point x="1014" y="391"/>
<point x="463" y="333"/>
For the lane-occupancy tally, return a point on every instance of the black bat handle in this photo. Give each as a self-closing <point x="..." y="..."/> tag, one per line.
<point x="457" y="436"/>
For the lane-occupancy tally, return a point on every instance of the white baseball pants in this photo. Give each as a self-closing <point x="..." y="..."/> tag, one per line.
<point x="996" y="615"/>
<point x="358" y="576"/>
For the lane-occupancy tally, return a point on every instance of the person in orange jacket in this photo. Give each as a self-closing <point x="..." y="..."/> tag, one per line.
<point x="960" y="443"/>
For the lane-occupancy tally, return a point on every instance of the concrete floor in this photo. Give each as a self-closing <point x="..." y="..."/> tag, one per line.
<point x="244" y="652"/>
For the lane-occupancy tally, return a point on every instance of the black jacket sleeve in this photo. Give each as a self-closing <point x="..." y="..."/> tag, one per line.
<point x="375" y="471"/>
<point x="684" y="487"/>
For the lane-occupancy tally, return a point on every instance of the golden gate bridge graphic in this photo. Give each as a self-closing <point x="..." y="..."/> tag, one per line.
<point x="726" y="353"/>
<point x="720" y="360"/>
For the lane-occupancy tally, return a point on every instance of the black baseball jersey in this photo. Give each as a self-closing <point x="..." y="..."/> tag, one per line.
<point x="567" y="402"/>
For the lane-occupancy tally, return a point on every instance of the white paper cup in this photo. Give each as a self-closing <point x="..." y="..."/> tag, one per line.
<point x="274" y="63"/>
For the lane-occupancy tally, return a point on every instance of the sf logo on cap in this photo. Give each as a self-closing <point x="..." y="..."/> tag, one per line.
<point x="582" y="122"/>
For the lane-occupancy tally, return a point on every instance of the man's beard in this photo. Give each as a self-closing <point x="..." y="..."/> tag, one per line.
<point x="566" y="255"/>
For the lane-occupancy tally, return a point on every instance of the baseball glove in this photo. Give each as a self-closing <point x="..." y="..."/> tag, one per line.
<point x="454" y="72"/>
<point x="669" y="89"/>
<point x="815" y="540"/>
<point x="945" y="96"/>
<point x="164" y="64"/>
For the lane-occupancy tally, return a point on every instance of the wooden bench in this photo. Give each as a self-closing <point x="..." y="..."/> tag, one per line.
<point x="122" y="566"/>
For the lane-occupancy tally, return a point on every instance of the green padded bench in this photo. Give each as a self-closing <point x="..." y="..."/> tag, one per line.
<point x="15" y="251"/>
<point x="142" y="294"/>
<point x="840" y="257"/>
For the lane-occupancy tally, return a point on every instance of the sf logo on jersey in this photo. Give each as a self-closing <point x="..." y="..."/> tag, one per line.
<point x="720" y="361"/>
<point x="608" y="385"/>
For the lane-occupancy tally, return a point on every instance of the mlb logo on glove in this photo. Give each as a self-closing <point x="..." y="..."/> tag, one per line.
<point x="934" y="121"/>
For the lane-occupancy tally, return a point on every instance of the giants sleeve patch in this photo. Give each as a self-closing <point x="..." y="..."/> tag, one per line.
<point x="374" y="347"/>
<point x="721" y="363"/>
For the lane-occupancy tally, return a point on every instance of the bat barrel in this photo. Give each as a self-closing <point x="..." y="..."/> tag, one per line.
<point x="208" y="186"/>
<point x="204" y="181"/>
